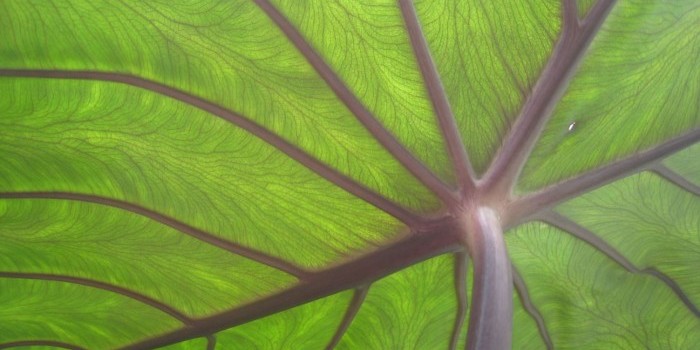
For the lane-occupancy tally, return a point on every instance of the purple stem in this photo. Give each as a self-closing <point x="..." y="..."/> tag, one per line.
<point x="491" y="315"/>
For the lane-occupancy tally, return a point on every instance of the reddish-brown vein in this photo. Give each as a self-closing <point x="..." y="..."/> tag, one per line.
<point x="364" y="116"/>
<point x="211" y="342"/>
<point x="530" y="308"/>
<point x="675" y="178"/>
<point x="529" y="205"/>
<point x="357" y="299"/>
<point x="37" y="342"/>
<point x="166" y="220"/>
<point x="366" y="269"/>
<point x="301" y="156"/>
<point x="460" y="285"/>
<point x="433" y="83"/>
<point x="582" y="233"/>
<point x="537" y="109"/>
<point x="103" y="286"/>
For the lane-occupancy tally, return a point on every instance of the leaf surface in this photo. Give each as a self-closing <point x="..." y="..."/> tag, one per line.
<point x="299" y="174"/>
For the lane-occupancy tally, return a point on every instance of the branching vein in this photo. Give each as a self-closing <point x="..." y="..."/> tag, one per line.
<point x="675" y="178"/>
<point x="364" y="116"/>
<point x="166" y="220"/>
<point x="460" y="278"/>
<point x="538" y="107"/>
<point x="355" y="304"/>
<point x="441" y="105"/>
<point x="353" y="274"/>
<point x="211" y="342"/>
<point x="103" y="286"/>
<point x="299" y="155"/>
<point x="37" y="342"/>
<point x="530" y="308"/>
<point x="548" y="197"/>
<point x="589" y="237"/>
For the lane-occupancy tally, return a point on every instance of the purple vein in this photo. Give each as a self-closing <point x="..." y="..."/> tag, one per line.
<point x="168" y="221"/>
<point x="580" y="232"/>
<point x="357" y="299"/>
<point x="675" y="178"/>
<point x="211" y="342"/>
<point x="538" y="107"/>
<point x="37" y="342"/>
<point x="530" y="308"/>
<point x="103" y="286"/>
<point x="364" y="116"/>
<point x="353" y="274"/>
<point x="548" y="197"/>
<point x="460" y="280"/>
<point x="299" y="155"/>
<point x="433" y="83"/>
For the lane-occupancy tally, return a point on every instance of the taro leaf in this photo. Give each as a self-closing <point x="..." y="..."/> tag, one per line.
<point x="309" y="174"/>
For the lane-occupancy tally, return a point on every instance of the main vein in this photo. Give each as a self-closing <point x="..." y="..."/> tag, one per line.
<point x="364" y="116"/>
<point x="302" y="157"/>
<point x="538" y="107"/>
<point x="433" y="83"/>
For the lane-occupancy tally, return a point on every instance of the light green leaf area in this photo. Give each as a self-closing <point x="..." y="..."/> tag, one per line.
<point x="489" y="55"/>
<point x="414" y="308"/>
<point x="197" y="343"/>
<point x="116" y="141"/>
<point x="367" y="45"/>
<point x="309" y="326"/>
<point x="686" y="163"/>
<point x="58" y="311"/>
<point x="589" y="302"/>
<point x="227" y="52"/>
<point x="638" y="86"/>
<point x="650" y="221"/>
<point x="109" y="245"/>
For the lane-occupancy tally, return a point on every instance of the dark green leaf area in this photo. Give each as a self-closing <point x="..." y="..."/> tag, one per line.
<point x="589" y="302"/>
<point x="98" y="243"/>
<point x="58" y="311"/>
<point x="651" y="221"/>
<point x="119" y="142"/>
<point x="637" y="87"/>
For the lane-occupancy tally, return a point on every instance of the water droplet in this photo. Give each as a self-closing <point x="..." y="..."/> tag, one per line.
<point x="572" y="126"/>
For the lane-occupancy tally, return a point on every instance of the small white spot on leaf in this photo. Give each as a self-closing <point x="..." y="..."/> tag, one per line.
<point x="572" y="126"/>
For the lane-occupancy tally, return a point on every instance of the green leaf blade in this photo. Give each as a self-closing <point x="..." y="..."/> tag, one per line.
<point x="637" y="76"/>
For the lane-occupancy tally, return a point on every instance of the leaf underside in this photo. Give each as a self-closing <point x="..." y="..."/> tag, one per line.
<point x="289" y="174"/>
